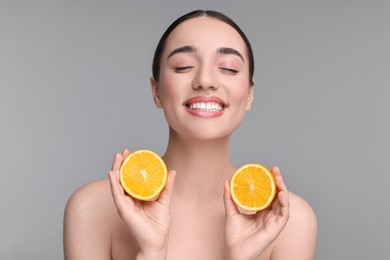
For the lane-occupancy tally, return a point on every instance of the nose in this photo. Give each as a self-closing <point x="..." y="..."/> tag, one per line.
<point x="205" y="79"/>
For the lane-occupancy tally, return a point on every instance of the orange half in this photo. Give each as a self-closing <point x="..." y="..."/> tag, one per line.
<point x="143" y="175"/>
<point x="252" y="188"/>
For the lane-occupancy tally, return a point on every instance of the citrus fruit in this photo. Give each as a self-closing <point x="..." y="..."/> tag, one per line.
<point x="252" y="188"/>
<point x="143" y="175"/>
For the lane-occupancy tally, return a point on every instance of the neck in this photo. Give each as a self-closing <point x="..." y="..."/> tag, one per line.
<point x="201" y="166"/>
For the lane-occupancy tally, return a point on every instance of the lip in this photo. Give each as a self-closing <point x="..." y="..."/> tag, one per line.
<point x="205" y="99"/>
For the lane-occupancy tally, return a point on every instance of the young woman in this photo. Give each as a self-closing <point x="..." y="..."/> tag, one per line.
<point x="202" y="79"/>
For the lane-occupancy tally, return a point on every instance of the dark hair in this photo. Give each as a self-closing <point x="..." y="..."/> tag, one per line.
<point x="199" y="13"/>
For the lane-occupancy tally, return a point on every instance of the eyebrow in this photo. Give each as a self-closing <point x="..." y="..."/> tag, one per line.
<point x="184" y="49"/>
<point x="230" y="51"/>
<point x="193" y="49"/>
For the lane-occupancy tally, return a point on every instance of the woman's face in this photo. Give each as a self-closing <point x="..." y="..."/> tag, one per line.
<point x="204" y="86"/>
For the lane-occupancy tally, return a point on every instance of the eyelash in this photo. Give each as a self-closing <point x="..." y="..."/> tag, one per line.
<point x="232" y="71"/>
<point x="184" y="68"/>
<point x="181" y="69"/>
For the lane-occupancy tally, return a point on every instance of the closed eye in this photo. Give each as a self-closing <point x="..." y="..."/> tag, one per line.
<point x="183" y="68"/>
<point x="229" y="71"/>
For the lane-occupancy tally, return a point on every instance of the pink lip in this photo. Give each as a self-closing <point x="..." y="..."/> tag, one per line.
<point x="205" y="99"/>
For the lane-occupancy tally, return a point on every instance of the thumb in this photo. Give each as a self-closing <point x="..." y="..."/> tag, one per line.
<point x="166" y="194"/>
<point x="230" y="206"/>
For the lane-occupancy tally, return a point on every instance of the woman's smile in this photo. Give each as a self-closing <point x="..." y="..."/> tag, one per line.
<point x="205" y="106"/>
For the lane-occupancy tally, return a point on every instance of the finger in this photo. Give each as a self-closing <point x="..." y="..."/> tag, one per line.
<point x="117" y="162"/>
<point x="166" y="194"/>
<point x="284" y="202"/>
<point x="118" y="194"/>
<point x="282" y="196"/>
<point x="277" y="205"/>
<point x="275" y="202"/>
<point x="230" y="207"/>
<point x="274" y="209"/>
<point x="125" y="153"/>
<point x="114" y="190"/>
<point x="264" y="215"/>
<point x="283" y="199"/>
<point x="283" y="190"/>
<point x="279" y="179"/>
<point x="284" y="211"/>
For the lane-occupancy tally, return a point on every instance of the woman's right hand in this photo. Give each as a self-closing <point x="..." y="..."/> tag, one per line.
<point x="148" y="221"/>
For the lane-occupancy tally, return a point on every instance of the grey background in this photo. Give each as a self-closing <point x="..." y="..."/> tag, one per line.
<point x="74" y="79"/>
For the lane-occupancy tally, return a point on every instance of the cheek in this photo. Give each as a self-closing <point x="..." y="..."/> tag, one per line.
<point x="239" y="94"/>
<point x="168" y="88"/>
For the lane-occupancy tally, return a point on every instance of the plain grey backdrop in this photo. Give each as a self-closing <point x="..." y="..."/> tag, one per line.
<point x="74" y="90"/>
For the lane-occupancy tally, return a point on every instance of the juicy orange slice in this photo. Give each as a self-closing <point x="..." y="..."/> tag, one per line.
<point x="252" y="188"/>
<point x="143" y="175"/>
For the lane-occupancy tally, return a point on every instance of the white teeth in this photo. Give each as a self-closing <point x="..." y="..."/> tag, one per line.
<point x="209" y="106"/>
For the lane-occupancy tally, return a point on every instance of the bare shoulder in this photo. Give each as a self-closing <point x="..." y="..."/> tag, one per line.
<point x="90" y="198"/>
<point x="301" y="211"/>
<point x="87" y="219"/>
<point x="298" y="239"/>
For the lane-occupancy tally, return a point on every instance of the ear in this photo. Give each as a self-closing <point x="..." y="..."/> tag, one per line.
<point x="250" y="96"/>
<point x="156" y="97"/>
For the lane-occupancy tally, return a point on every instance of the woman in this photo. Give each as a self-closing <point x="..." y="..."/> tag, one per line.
<point x="202" y="79"/>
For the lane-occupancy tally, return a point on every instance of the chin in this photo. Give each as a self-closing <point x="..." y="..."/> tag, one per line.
<point x="209" y="129"/>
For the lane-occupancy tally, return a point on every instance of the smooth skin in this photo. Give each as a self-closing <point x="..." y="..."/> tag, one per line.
<point x="194" y="217"/>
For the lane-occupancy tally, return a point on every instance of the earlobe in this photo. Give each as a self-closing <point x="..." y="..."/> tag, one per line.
<point x="156" y="96"/>
<point x="250" y="96"/>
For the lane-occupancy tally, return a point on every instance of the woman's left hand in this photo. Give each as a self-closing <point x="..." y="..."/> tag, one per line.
<point x="248" y="236"/>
